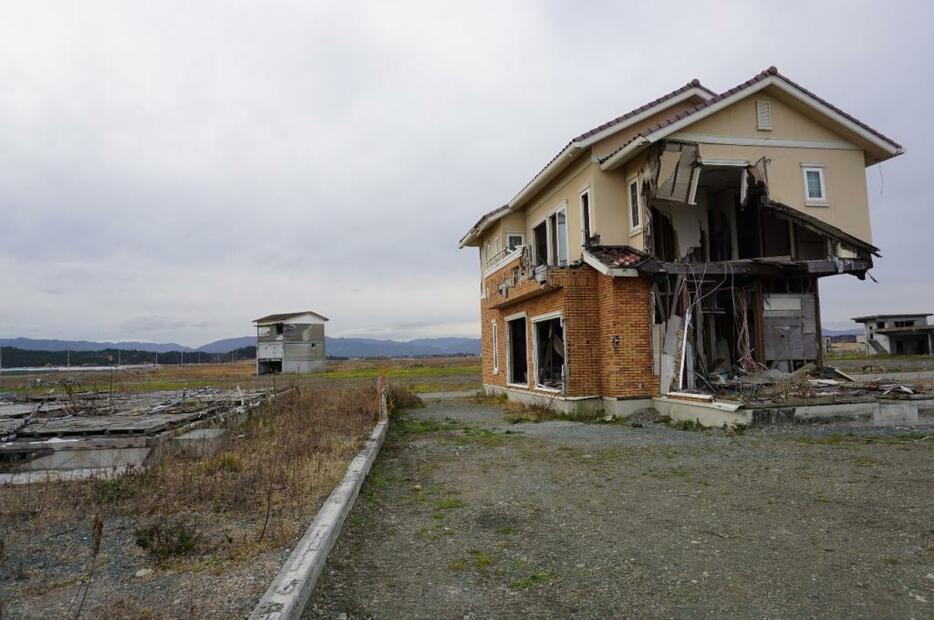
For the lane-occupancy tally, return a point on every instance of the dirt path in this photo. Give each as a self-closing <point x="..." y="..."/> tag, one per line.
<point x="466" y="516"/>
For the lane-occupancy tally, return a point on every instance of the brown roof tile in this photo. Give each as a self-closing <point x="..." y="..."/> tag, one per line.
<point x="617" y="256"/>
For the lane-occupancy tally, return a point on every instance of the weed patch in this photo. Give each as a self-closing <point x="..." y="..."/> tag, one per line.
<point x="449" y="503"/>
<point x="168" y="538"/>
<point x="398" y="397"/>
<point x="537" y="578"/>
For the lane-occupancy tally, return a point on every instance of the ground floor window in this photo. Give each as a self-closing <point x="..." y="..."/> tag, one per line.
<point x="549" y="353"/>
<point x="495" y="348"/>
<point x="517" y="350"/>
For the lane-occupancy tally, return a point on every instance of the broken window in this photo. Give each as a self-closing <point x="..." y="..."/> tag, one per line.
<point x="904" y="323"/>
<point x="549" y="353"/>
<point x="585" y="216"/>
<point x="517" y="351"/>
<point x="540" y="238"/>
<point x="513" y="240"/>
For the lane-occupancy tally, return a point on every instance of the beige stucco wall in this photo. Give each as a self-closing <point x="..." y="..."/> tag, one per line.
<point x="739" y="120"/>
<point x="611" y="205"/>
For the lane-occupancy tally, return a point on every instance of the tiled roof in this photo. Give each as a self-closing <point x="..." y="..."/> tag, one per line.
<point x="771" y="71"/>
<point x="695" y="83"/>
<point x="276" y="318"/>
<point x="617" y="256"/>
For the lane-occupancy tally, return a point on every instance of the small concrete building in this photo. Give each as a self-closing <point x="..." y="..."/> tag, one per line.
<point x="899" y="334"/>
<point x="290" y="343"/>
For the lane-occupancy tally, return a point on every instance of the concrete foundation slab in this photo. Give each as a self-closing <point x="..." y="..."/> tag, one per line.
<point x="199" y="443"/>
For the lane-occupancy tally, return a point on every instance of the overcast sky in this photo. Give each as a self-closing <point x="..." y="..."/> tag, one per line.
<point x="171" y="170"/>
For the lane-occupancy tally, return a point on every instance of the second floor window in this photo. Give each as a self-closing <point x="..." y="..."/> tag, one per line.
<point x="635" y="214"/>
<point x="513" y="240"/>
<point x="551" y="239"/>
<point x="815" y="191"/>
<point x="585" y="216"/>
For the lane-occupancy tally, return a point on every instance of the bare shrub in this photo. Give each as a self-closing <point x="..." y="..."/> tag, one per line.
<point x="399" y="397"/>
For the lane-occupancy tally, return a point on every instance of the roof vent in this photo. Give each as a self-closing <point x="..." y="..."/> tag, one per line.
<point x="763" y="115"/>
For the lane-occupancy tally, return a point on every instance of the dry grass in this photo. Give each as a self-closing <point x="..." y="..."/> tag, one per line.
<point x="268" y="477"/>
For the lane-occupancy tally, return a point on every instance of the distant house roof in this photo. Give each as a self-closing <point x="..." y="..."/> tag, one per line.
<point x="873" y="317"/>
<point x="278" y="318"/>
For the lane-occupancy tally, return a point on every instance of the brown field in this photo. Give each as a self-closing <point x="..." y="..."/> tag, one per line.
<point x="417" y="374"/>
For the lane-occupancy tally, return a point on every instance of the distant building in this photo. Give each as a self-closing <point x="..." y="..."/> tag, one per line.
<point x="290" y="343"/>
<point x="901" y="334"/>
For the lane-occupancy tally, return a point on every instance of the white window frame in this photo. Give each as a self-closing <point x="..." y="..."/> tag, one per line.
<point x="495" y="343"/>
<point x="506" y="321"/>
<point x="567" y="235"/>
<point x="550" y="252"/>
<point x="808" y="200"/>
<point x="634" y="230"/>
<point x="564" y="369"/>
<point x="586" y="192"/>
<point x="515" y="234"/>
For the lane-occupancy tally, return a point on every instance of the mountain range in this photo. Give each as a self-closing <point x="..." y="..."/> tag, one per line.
<point x="338" y="347"/>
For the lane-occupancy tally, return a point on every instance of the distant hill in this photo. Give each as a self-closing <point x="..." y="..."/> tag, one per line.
<point x="842" y="332"/>
<point x="32" y="344"/>
<point x="337" y="347"/>
<point x="228" y="344"/>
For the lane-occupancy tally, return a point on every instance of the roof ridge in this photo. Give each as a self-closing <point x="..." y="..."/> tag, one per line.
<point x="695" y="83"/>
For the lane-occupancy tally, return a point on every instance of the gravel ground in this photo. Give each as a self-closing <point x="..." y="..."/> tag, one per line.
<point x="467" y="516"/>
<point x="41" y="577"/>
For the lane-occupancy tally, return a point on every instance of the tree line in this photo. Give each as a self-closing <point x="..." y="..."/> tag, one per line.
<point x="13" y="357"/>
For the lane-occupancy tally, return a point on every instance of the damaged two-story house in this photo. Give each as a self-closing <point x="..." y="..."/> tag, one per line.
<point x="675" y="246"/>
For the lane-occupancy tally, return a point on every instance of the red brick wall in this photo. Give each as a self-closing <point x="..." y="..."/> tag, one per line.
<point x="626" y="336"/>
<point x="595" y="309"/>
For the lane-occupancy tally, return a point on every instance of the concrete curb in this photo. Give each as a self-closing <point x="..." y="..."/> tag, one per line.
<point x="289" y="592"/>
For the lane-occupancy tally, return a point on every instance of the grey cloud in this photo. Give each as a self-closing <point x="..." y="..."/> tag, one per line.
<point x="207" y="164"/>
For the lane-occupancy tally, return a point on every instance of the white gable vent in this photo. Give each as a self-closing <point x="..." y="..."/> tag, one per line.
<point x="764" y="115"/>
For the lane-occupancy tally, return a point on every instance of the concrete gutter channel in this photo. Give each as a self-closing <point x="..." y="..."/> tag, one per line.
<point x="289" y="592"/>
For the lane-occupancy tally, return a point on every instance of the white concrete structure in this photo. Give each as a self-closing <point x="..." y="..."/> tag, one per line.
<point x="290" y="343"/>
<point x="900" y="334"/>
